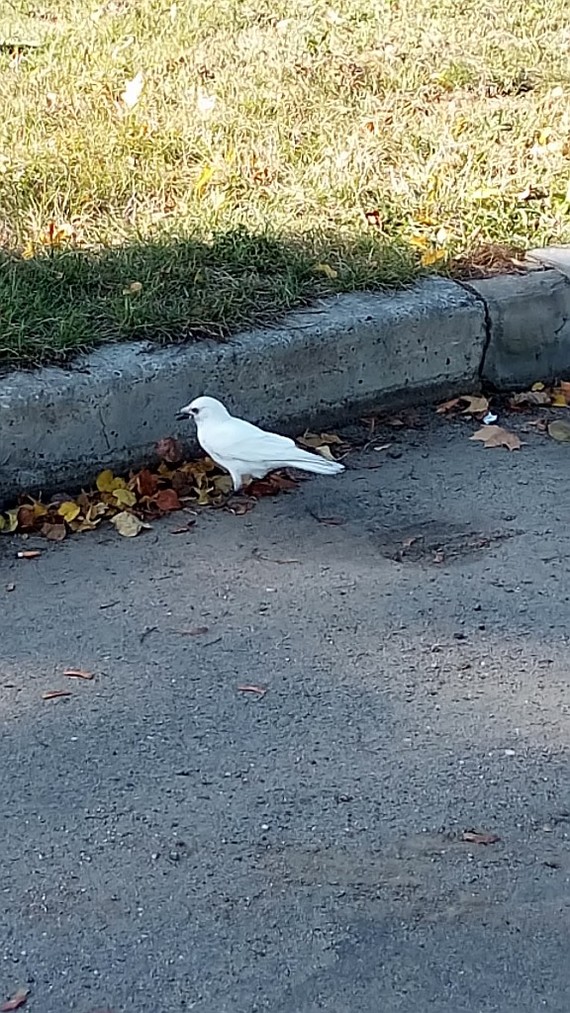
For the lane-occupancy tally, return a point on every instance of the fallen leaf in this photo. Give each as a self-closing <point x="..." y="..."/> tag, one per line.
<point x="559" y="430"/>
<point x="167" y="500"/>
<point x="530" y="397"/>
<point x="170" y="449"/>
<point x="54" y="532"/>
<point x="133" y="288"/>
<point x="105" y="480"/>
<point x="17" y="1000"/>
<point x="203" y="179"/>
<point x="325" y="451"/>
<point x="125" y="497"/>
<point x="327" y="270"/>
<point x="26" y="518"/>
<point x="10" y="522"/>
<point x="197" y="632"/>
<point x="127" y="524"/>
<point x="496" y="436"/>
<point x="474" y="403"/>
<point x="260" y="690"/>
<point x="69" y="510"/>
<point x="561" y="395"/>
<point x="145" y="483"/>
<point x="10" y="587"/>
<point x="29" y="554"/>
<point x="78" y="673"/>
<point x="223" y="484"/>
<point x="239" y="509"/>
<point x="448" y="406"/>
<point x="53" y="694"/>
<point x="476" y="837"/>
<point x="433" y="256"/>
<point x="184" y="529"/>
<point x="315" y="440"/>
<point x="133" y="90"/>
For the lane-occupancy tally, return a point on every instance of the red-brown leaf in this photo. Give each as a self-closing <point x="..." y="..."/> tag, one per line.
<point x="54" y="532"/>
<point x="53" y="694"/>
<point x="26" y="518"/>
<point x="17" y="1000"/>
<point x="146" y="483"/>
<point x="479" y="837"/>
<point x="29" y="554"/>
<point x="167" y="500"/>
<point x="78" y="673"/>
<point x="260" y="690"/>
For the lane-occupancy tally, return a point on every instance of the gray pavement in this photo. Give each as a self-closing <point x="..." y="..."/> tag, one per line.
<point x="171" y="843"/>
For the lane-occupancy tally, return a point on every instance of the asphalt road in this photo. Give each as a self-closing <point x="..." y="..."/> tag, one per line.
<point x="170" y="842"/>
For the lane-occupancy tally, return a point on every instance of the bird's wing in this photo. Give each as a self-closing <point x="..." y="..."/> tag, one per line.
<point x="239" y="440"/>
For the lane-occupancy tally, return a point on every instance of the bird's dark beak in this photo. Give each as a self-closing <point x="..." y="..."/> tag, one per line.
<point x="182" y="415"/>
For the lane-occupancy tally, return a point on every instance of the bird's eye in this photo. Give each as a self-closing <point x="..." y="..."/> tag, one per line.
<point x="194" y="411"/>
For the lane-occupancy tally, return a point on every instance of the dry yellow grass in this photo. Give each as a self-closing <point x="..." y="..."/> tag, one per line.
<point x="236" y="158"/>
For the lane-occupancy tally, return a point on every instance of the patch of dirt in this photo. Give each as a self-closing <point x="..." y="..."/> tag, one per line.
<point x="434" y="543"/>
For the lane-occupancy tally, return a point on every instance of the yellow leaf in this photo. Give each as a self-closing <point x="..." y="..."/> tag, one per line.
<point x="558" y="400"/>
<point x="39" y="509"/>
<point x="105" y="481"/>
<point x="327" y="270"/>
<point x="125" y="497"/>
<point x="29" y="250"/>
<point x="10" y="521"/>
<point x="2" y="523"/>
<point x="419" y="241"/>
<point x="203" y="180"/>
<point x="127" y="524"/>
<point x="432" y="257"/>
<point x="537" y="386"/>
<point x="69" y="510"/>
<point x="133" y="90"/>
<point x="559" y="430"/>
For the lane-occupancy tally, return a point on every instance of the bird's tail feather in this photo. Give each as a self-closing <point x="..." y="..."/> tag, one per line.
<point x="313" y="462"/>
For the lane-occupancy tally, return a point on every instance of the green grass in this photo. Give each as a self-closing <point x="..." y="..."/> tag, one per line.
<point x="278" y="151"/>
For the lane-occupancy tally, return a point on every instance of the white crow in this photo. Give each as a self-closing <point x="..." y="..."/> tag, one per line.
<point x="243" y="449"/>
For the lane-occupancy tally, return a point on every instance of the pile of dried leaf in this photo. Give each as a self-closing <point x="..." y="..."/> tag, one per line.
<point x="540" y="396"/>
<point x="131" y="503"/>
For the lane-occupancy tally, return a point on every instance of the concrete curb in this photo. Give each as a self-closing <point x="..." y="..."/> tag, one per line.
<point x="344" y="355"/>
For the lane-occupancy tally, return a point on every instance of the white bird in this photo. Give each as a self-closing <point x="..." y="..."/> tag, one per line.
<point x="243" y="449"/>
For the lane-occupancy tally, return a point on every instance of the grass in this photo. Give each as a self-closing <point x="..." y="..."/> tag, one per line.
<point x="277" y="151"/>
